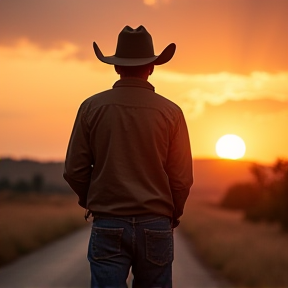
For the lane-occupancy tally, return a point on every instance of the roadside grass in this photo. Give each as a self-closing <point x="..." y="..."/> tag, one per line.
<point x="246" y="254"/>
<point x="30" y="221"/>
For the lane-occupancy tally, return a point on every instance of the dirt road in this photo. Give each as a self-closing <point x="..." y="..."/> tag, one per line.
<point x="57" y="266"/>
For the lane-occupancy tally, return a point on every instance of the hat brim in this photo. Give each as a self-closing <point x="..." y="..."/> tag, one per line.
<point x="163" y="58"/>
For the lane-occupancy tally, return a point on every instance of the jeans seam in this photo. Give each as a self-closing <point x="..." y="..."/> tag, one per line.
<point x="133" y="238"/>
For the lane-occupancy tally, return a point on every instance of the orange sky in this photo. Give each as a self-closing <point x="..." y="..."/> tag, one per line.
<point x="229" y="73"/>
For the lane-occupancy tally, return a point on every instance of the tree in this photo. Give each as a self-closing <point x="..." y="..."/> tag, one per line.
<point x="21" y="186"/>
<point x="37" y="183"/>
<point x="264" y="200"/>
<point x="5" y="184"/>
<point x="260" y="174"/>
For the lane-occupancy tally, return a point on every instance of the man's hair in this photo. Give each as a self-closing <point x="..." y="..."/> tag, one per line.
<point x="134" y="71"/>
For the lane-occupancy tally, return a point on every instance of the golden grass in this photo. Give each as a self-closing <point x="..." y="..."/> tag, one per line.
<point x="28" y="222"/>
<point x="247" y="254"/>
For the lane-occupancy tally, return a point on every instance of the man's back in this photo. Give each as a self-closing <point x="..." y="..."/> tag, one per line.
<point x="131" y="131"/>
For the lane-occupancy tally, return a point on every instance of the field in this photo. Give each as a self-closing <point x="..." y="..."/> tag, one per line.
<point x="29" y="222"/>
<point x="246" y="254"/>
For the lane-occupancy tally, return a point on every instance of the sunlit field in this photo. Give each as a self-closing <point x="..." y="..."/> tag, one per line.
<point x="245" y="253"/>
<point x="28" y="222"/>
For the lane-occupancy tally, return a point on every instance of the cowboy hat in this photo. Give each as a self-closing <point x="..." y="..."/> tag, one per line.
<point x="135" y="48"/>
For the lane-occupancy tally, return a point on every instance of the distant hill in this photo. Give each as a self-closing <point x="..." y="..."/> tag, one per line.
<point x="211" y="176"/>
<point x="15" y="170"/>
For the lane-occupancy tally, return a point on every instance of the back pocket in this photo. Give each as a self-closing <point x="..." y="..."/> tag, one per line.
<point x="106" y="242"/>
<point x="159" y="246"/>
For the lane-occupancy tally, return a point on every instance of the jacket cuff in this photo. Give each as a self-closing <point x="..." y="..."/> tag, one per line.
<point x="81" y="189"/>
<point x="179" y="200"/>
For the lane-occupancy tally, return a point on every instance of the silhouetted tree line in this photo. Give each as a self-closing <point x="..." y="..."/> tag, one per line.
<point x="36" y="184"/>
<point x="264" y="199"/>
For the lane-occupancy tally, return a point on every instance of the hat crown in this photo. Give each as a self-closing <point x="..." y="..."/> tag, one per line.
<point x="134" y="43"/>
<point x="135" y="48"/>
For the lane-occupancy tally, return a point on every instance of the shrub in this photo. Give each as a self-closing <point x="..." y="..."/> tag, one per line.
<point x="241" y="196"/>
<point x="266" y="199"/>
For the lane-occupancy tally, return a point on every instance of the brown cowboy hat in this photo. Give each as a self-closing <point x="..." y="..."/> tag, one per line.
<point x="135" y="48"/>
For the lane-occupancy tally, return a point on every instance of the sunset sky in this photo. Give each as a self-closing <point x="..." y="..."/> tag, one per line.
<point x="229" y="74"/>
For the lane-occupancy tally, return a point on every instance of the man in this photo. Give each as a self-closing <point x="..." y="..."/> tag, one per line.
<point x="129" y="161"/>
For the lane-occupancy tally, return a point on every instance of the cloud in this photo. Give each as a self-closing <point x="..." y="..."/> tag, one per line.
<point x="26" y="62"/>
<point x="211" y="35"/>
<point x="195" y="91"/>
<point x="150" y="2"/>
<point x="155" y="2"/>
<point x="36" y="79"/>
<point x="249" y="108"/>
<point x="25" y="49"/>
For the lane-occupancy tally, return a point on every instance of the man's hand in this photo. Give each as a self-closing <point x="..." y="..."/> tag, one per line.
<point x="175" y="222"/>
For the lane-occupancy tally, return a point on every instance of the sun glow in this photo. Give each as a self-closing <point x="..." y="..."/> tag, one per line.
<point x="230" y="146"/>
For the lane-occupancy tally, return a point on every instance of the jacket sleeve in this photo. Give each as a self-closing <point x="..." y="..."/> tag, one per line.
<point x="179" y="167"/>
<point x="79" y="158"/>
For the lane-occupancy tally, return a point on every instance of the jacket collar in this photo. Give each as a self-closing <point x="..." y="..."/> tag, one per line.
<point x="133" y="82"/>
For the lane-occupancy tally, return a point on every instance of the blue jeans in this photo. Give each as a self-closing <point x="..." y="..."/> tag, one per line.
<point x="144" y="243"/>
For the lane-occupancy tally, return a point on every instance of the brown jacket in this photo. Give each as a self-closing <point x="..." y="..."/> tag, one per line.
<point x="129" y="152"/>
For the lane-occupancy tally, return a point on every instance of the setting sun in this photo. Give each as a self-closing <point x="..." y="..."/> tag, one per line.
<point x="230" y="146"/>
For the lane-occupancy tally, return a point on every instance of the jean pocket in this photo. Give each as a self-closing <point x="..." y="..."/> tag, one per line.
<point x="159" y="246"/>
<point x="106" y="242"/>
